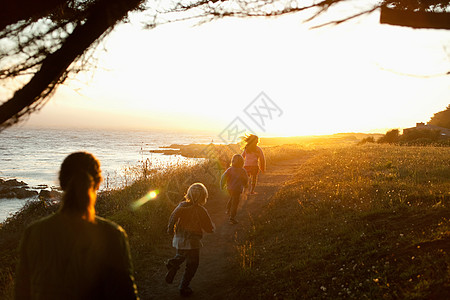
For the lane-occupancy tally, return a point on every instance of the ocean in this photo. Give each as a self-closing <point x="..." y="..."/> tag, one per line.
<point x="34" y="155"/>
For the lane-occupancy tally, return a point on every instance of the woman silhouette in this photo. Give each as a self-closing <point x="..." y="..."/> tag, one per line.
<point x="74" y="254"/>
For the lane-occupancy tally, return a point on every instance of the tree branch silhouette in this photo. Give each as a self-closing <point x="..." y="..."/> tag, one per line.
<point x="44" y="41"/>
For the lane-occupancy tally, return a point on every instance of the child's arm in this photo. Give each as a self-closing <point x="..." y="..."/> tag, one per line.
<point x="223" y="180"/>
<point x="244" y="178"/>
<point x="172" y="220"/>
<point x="205" y="221"/>
<point x="262" y="160"/>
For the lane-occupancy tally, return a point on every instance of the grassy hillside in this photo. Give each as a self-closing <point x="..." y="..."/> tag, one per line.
<point x="359" y="222"/>
<point x="337" y="139"/>
<point x="144" y="219"/>
<point x="368" y="222"/>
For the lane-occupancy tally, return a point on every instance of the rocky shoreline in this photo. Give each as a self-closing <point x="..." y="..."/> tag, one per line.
<point x="190" y="151"/>
<point x="196" y="150"/>
<point x="15" y="189"/>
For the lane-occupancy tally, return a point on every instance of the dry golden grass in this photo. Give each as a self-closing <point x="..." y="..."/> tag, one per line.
<point x="144" y="218"/>
<point x="366" y="222"/>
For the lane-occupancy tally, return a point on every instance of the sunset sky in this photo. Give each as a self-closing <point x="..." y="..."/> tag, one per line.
<point x="357" y="77"/>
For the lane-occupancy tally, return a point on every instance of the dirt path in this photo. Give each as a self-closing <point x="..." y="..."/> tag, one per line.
<point x="212" y="278"/>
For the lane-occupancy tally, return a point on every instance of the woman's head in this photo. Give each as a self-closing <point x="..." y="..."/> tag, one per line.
<point x="197" y="193"/>
<point x="237" y="161"/>
<point x="80" y="177"/>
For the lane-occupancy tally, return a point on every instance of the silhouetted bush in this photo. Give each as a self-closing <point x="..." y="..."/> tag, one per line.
<point x="414" y="137"/>
<point x="390" y="137"/>
<point x="366" y="140"/>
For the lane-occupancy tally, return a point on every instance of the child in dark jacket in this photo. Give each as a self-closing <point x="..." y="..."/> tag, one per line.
<point x="236" y="179"/>
<point x="189" y="219"/>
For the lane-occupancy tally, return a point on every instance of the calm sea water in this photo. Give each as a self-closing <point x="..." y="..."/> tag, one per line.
<point x="35" y="155"/>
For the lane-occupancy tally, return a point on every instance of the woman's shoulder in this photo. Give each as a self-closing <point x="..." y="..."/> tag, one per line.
<point x="108" y="225"/>
<point x="44" y="222"/>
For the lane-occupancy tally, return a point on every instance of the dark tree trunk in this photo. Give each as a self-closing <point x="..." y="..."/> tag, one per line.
<point x="103" y="16"/>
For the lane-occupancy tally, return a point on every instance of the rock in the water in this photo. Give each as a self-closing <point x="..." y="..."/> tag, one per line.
<point x="50" y="195"/>
<point x="13" y="188"/>
<point x="7" y="193"/>
<point x="13" y="182"/>
<point x="22" y="193"/>
<point x="40" y="187"/>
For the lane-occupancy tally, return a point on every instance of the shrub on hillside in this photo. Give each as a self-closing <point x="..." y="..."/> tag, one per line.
<point x="414" y="137"/>
<point x="390" y="137"/>
<point x="366" y="140"/>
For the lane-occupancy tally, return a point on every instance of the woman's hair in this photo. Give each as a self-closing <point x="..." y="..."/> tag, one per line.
<point x="79" y="176"/>
<point x="251" y="142"/>
<point x="237" y="161"/>
<point x="197" y="193"/>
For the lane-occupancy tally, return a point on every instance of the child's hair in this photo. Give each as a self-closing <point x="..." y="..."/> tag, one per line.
<point x="237" y="161"/>
<point x="251" y="140"/>
<point x="197" y="193"/>
<point x="79" y="174"/>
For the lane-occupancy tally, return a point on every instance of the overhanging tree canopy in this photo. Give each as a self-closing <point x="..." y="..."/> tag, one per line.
<point x="441" y="119"/>
<point x="42" y="42"/>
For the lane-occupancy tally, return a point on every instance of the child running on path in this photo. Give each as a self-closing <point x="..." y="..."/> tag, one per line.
<point x="189" y="219"/>
<point x="236" y="179"/>
<point x="254" y="160"/>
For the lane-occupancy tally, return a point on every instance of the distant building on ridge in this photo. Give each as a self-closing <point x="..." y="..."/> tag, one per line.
<point x="445" y="132"/>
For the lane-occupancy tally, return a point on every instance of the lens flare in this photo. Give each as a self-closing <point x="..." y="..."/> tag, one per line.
<point x="151" y="195"/>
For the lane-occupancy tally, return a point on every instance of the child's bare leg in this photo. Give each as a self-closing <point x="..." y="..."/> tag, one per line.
<point x="252" y="190"/>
